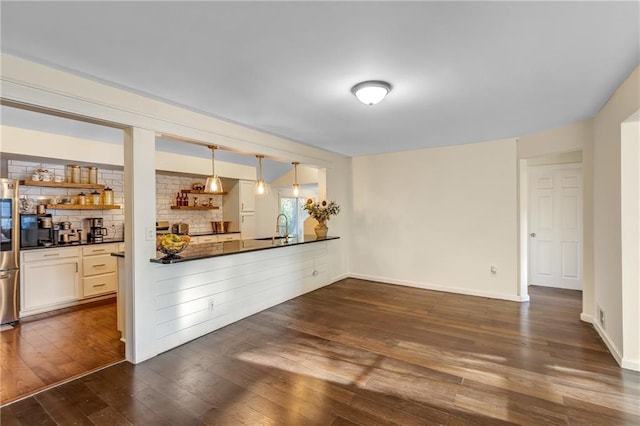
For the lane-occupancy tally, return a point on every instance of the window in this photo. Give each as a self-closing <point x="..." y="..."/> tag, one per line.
<point x="291" y="207"/>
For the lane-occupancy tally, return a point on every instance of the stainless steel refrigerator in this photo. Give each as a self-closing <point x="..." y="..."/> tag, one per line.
<point x="9" y="251"/>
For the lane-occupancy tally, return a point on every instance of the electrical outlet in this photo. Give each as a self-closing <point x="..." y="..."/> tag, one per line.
<point x="601" y="316"/>
<point x="211" y="304"/>
<point x="150" y="233"/>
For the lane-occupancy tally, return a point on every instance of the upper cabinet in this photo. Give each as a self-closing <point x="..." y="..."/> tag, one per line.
<point x="247" y="196"/>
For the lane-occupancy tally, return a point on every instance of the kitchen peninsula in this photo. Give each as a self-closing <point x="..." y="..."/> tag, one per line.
<point x="212" y="285"/>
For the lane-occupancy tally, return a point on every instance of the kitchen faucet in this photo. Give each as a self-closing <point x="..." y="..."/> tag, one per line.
<point x="285" y="234"/>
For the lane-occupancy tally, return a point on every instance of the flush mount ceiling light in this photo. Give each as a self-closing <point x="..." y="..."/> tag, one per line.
<point x="371" y="92"/>
<point x="296" y="187"/>
<point x="261" y="188"/>
<point x="213" y="183"/>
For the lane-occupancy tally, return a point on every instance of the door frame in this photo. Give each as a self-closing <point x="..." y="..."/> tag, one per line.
<point x="523" y="223"/>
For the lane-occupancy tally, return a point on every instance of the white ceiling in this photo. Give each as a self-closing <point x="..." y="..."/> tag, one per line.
<point x="462" y="71"/>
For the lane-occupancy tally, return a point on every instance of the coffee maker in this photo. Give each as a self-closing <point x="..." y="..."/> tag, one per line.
<point x="96" y="230"/>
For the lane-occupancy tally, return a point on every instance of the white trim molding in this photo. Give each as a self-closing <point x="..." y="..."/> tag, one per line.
<point x="613" y="349"/>
<point x="436" y="287"/>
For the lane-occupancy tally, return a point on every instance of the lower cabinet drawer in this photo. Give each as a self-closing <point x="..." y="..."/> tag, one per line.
<point x="106" y="283"/>
<point x="228" y="237"/>
<point x="101" y="264"/>
<point x="207" y="239"/>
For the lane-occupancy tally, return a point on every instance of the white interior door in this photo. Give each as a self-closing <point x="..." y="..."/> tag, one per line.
<point x="555" y="226"/>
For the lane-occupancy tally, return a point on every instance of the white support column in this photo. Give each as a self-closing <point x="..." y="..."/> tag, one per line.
<point x="140" y="199"/>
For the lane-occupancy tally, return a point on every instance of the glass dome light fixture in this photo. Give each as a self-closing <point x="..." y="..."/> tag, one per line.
<point x="261" y="187"/>
<point x="296" y="187"/>
<point x="213" y="183"/>
<point x="371" y="92"/>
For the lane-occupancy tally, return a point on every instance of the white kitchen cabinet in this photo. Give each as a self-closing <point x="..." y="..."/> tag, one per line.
<point x="203" y="239"/>
<point x="99" y="270"/>
<point x="247" y="226"/>
<point x="49" y="278"/>
<point x="247" y="196"/>
<point x="239" y="206"/>
<point x="219" y="238"/>
<point x="228" y="237"/>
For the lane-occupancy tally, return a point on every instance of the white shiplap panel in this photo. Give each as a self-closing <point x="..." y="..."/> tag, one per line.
<point x="197" y="272"/>
<point x="278" y="287"/>
<point x="240" y="285"/>
<point x="230" y="288"/>
<point x="238" y="311"/>
<point x="217" y="284"/>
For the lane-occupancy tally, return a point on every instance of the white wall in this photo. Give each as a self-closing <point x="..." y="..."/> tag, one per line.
<point x="267" y="209"/>
<point x="607" y="203"/>
<point x="439" y="218"/>
<point x="630" y="155"/>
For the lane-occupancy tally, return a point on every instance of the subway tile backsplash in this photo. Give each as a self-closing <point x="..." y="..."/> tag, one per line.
<point x="113" y="219"/>
<point x="167" y="188"/>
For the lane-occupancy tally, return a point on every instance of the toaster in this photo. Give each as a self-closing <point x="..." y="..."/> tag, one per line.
<point x="180" y="228"/>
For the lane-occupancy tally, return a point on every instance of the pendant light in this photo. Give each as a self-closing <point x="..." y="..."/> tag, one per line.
<point x="213" y="183"/>
<point x="371" y="92"/>
<point x="261" y="188"/>
<point x="296" y="187"/>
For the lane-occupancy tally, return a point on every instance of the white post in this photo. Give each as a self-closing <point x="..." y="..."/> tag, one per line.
<point x="140" y="202"/>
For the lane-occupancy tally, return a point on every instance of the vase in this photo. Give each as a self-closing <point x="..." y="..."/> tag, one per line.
<point x="321" y="230"/>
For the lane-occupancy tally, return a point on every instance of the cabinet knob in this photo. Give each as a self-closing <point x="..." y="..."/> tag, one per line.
<point x="533" y="234"/>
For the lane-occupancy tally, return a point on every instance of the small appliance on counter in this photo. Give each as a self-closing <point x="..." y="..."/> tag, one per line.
<point x="28" y="230"/>
<point x="162" y="227"/>
<point x="97" y="231"/>
<point x="180" y="228"/>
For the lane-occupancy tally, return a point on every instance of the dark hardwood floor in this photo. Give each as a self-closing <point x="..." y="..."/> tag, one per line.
<point x="359" y="352"/>
<point x="49" y="348"/>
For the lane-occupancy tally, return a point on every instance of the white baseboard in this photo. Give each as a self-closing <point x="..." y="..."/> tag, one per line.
<point x="586" y="318"/>
<point x="630" y="364"/>
<point x="428" y="286"/>
<point x="607" y="341"/>
<point x="338" y="278"/>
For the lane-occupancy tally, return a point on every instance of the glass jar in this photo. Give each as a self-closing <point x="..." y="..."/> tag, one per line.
<point x="68" y="173"/>
<point x="107" y="196"/>
<point x="93" y="175"/>
<point x="95" y="198"/>
<point x="82" y="199"/>
<point x="75" y="174"/>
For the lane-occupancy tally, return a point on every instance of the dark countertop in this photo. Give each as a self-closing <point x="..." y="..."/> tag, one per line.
<point x="204" y="234"/>
<point x="74" y="244"/>
<point x="207" y="250"/>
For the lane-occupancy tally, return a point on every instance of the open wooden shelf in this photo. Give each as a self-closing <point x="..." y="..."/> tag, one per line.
<point x="193" y="191"/>
<point x="61" y="184"/>
<point x="194" y="207"/>
<point x="83" y="206"/>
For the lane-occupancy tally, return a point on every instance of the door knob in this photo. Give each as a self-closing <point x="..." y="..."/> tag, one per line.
<point x="533" y="234"/>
